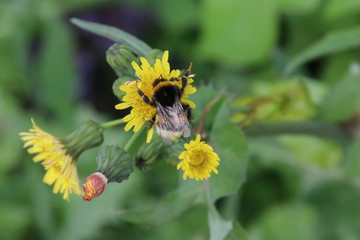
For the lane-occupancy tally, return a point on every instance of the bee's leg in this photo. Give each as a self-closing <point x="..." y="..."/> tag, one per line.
<point x="144" y="97"/>
<point x="187" y="110"/>
<point x="152" y="122"/>
<point x="184" y="82"/>
<point x="188" y="71"/>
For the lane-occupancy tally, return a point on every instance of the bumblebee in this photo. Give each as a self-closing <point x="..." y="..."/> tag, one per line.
<point x="172" y="117"/>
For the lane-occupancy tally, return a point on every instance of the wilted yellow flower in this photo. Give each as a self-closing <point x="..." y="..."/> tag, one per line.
<point x="142" y="111"/>
<point x="198" y="160"/>
<point x="60" y="166"/>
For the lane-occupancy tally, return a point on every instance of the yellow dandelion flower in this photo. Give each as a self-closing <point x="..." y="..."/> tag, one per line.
<point x="198" y="160"/>
<point x="142" y="111"/>
<point x="59" y="165"/>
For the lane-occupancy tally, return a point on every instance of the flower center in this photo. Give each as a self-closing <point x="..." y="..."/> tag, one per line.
<point x="197" y="158"/>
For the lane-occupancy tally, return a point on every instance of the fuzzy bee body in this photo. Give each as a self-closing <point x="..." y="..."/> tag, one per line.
<point x="172" y="116"/>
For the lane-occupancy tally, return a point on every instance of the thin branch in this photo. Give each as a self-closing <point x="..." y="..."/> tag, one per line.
<point x="204" y="113"/>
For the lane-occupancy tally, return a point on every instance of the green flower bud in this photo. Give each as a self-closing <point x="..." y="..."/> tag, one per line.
<point x="89" y="135"/>
<point x="153" y="55"/>
<point x="173" y="151"/>
<point x="114" y="163"/>
<point x="119" y="58"/>
<point x="149" y="154"/>
<point x="116" y="85"/>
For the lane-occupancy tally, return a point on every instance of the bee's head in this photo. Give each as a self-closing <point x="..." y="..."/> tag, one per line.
<point x="167" y="95"/>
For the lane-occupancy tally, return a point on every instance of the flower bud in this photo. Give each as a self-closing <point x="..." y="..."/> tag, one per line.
<point x="89" y="135"/>
<point x="117" y="83"/>
<point x="119" y="58"/>
<point x="149" y="154"/>
<point x="153" y="55"/>
<point x="114" y="163"/>
<point x="94" y="186"/>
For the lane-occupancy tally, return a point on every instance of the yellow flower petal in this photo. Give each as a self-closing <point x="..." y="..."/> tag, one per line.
<point x="52" y="154"/>
<point x="150" y="135"/>
<point x="122" y="106"/>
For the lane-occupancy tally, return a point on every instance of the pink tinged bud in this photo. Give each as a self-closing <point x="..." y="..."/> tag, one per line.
<point x="94" y="186"/>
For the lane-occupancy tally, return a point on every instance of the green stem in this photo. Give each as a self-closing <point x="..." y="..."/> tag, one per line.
<point x="111" y="123"/>
<point x="133" y="140"/>
<point x="207" y="192"/>
<point x="320" y="129"/>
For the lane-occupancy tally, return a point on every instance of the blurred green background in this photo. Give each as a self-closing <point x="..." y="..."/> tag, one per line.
<point x="297" y="186"/>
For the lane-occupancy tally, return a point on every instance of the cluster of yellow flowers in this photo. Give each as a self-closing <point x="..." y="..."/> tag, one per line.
<point x="198" y="160"/>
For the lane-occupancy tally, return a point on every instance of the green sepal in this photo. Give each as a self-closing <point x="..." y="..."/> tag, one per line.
<point x="89" y="135"/>
<point x="117" y="83"/>
<point x="120" y="58"/>
<point x="153" y="55"/>
<point x="114" y="163"/>
<point x="150" y="154"/>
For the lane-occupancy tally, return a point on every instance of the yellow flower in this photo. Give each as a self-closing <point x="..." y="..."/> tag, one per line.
<point x="59" y="165"/>
<point x="142" y="112"/>
<point x="198" y="160"/>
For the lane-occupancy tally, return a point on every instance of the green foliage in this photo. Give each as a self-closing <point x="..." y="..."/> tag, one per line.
<point x="332" y="43"/>
<point x="286" y="222"/>
<point x="244" y="34"/>
<point x="343" y="101"/>
<point x="137" y="46"/>
<point x="57" y="70"/>
<point x="232" y="149"/>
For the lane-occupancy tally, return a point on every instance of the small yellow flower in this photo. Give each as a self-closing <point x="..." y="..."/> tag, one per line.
<point x="142" y="112"/>
<point x="198" y="160"/>
<point x="59" y="165"/>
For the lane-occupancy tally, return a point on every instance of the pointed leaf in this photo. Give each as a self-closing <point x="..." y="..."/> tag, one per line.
<point x="219" y="228"/>
<point x="172" y="206"/>
<point x="134" y="44"/>
<point x="343" y="101"/>
<point x="229" y="143"/>
<point x="333" y="42"/>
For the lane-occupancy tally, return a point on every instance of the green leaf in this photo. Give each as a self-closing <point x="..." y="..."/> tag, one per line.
<point x="298" y="6"/>
<point x="219" y="228"/>
<point x="295" y="222"/>
<point x="96" y="214"/>
<point x="11" y="123"/>
<point x="14" y="219"/>
<point x="237" y="233"/>
<point x="352" y="163"/>
<point x="134" y="44"/>
<point x="229" y="143"/>
<point x="245" y="33"/>
<point x="136" y="141"/>
<point x="56" y="89"/>
<point x="337" y="203"/>
<point x="333" y="42"/>
<point x="313" y="151"/>
<point x="173" y="205"/>
<point x="343" y="101"/>
<point x="335" y="11"/>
